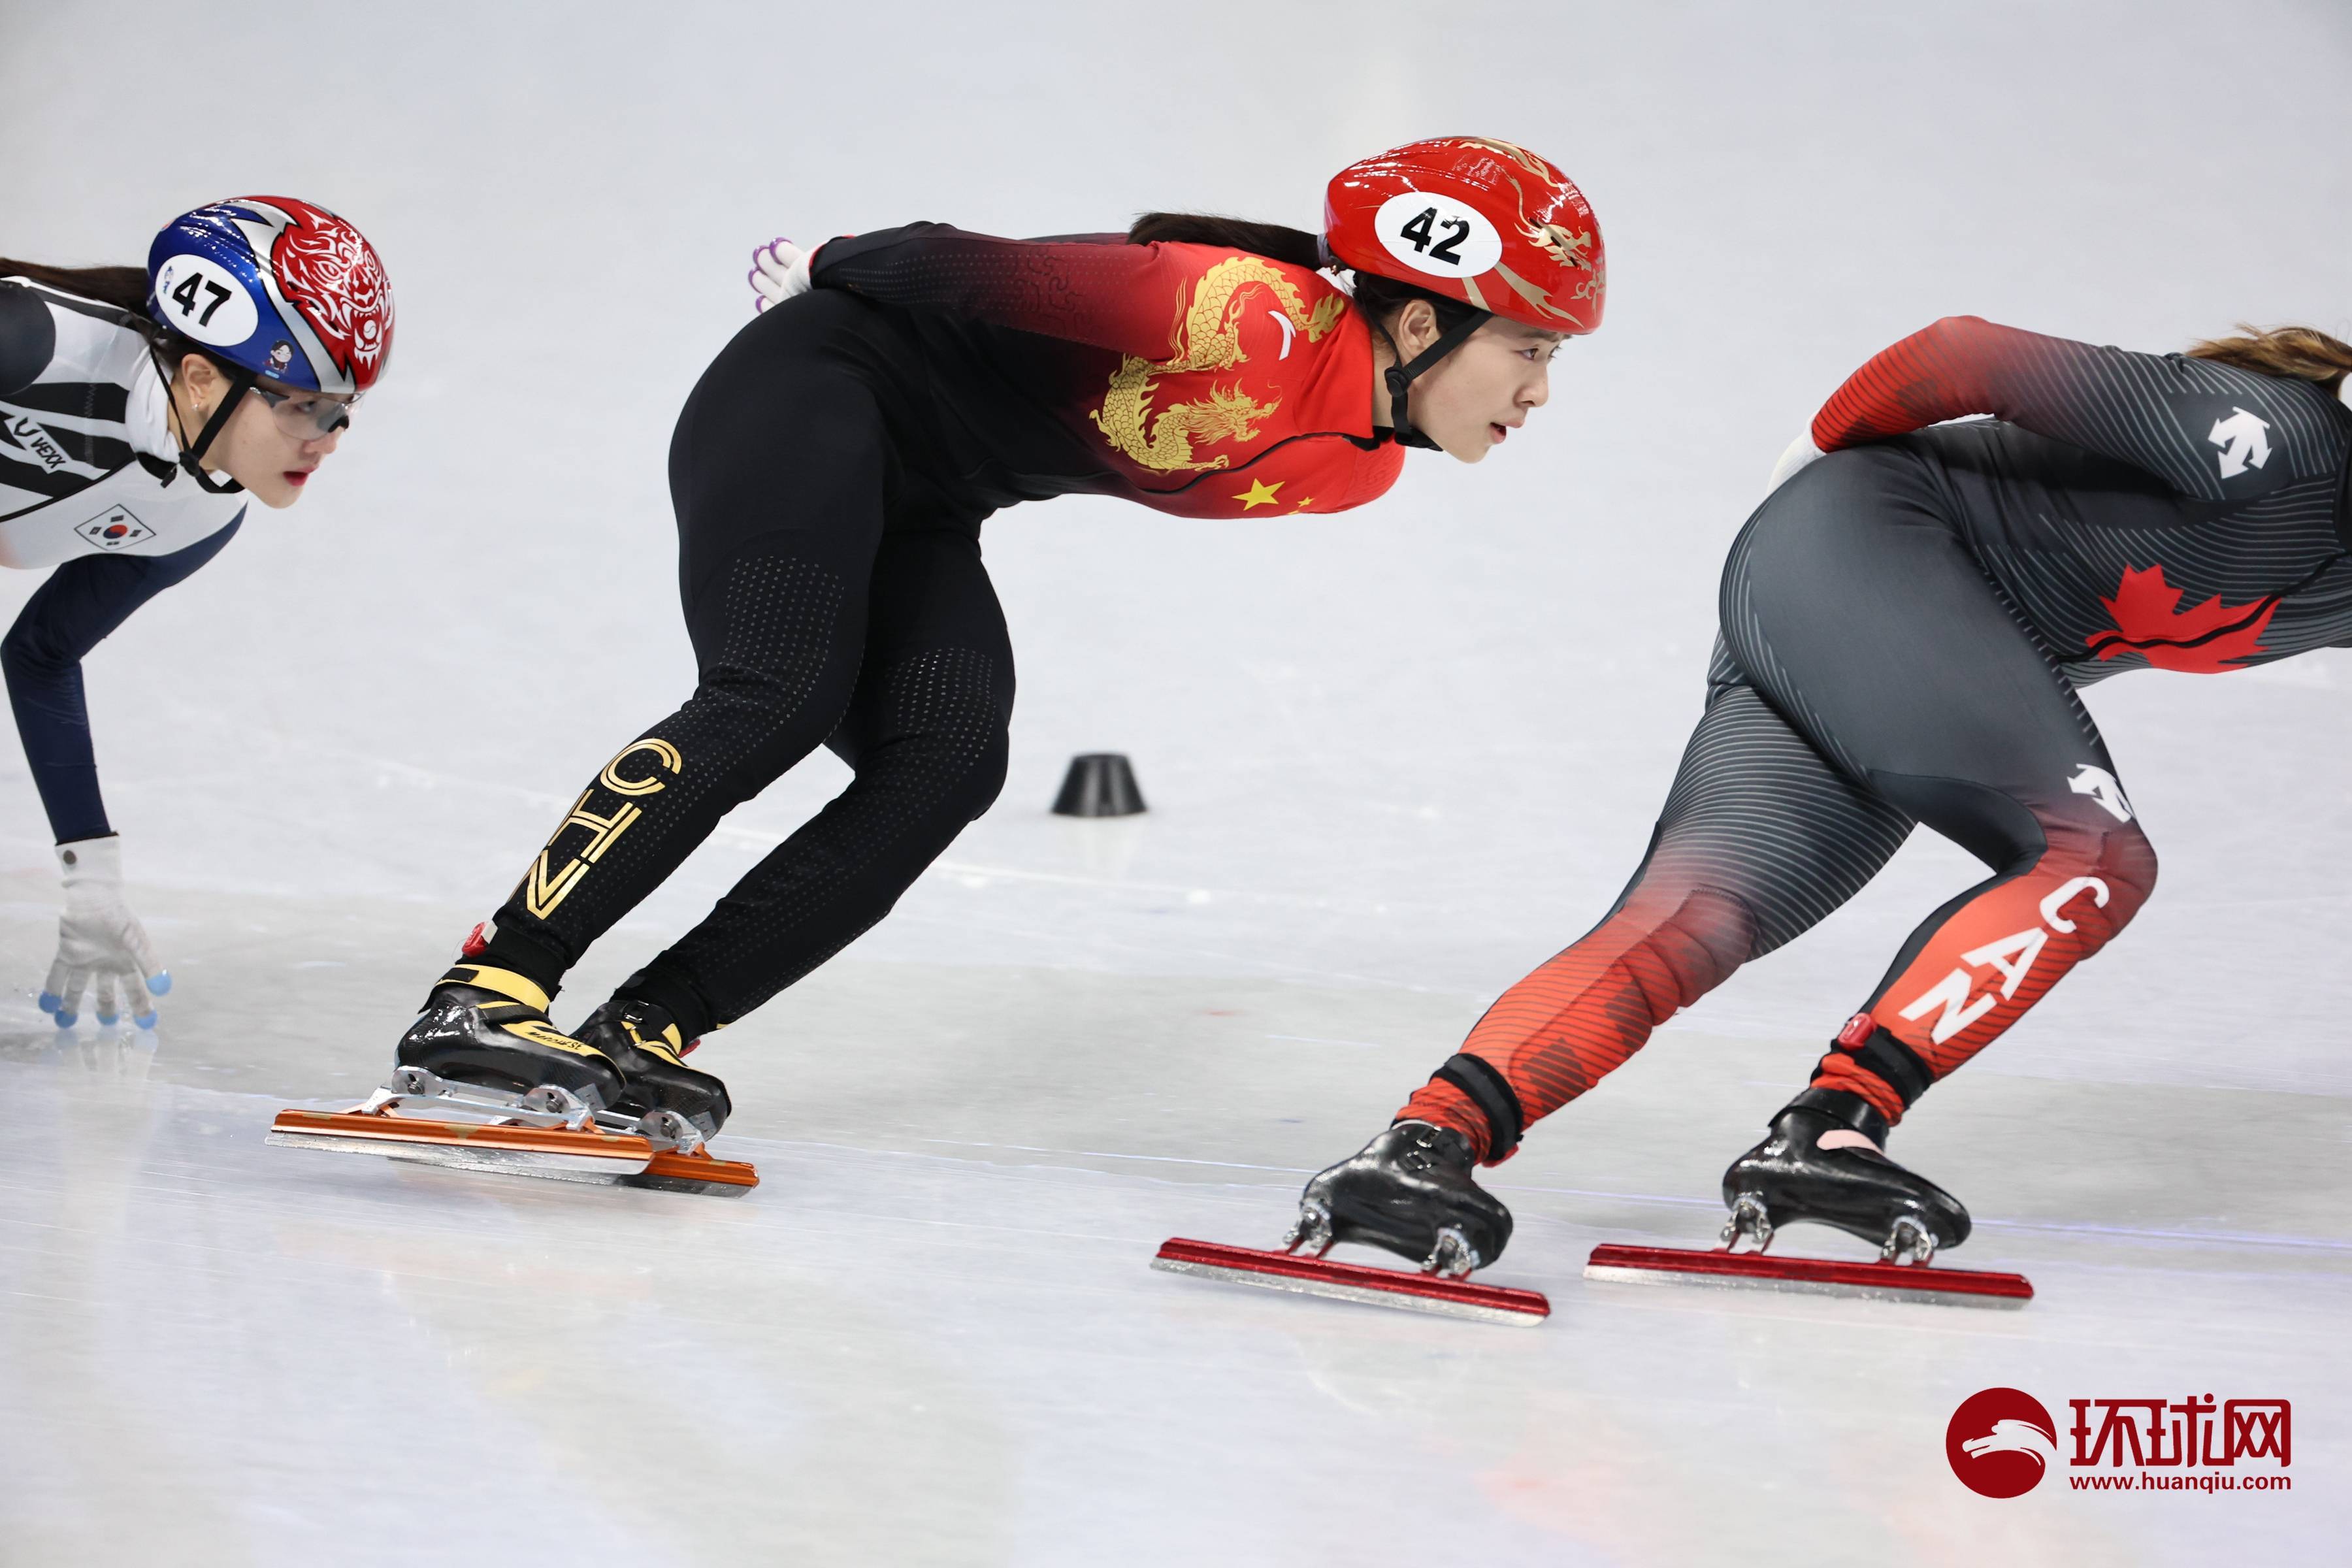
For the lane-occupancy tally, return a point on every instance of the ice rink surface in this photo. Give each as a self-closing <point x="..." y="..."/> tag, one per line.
<point x="1395" y="758"/>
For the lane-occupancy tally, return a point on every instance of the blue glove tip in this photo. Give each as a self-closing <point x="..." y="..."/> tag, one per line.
<point x="107" y="1019"/>
<point x="51" y="1002"/>
<point x="67" y="1020"/>
<point x="145" y="1020"/>
<point x="161" y="986"/>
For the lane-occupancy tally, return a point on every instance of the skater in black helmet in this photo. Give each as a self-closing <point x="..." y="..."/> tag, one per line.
<point x="1905" y="624"/>
<point x="831" y="472"/>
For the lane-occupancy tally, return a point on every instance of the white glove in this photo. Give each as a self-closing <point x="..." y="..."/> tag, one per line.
<point x="1801" y="451"/>
<point x="100" y="943"/>
<point x="779" y="270"/>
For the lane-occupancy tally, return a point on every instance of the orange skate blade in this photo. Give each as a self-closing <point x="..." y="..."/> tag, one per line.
<point x="554" y="1153"/>
<point x="1819" y="1275"/>
<point x="671" y="1171"/>
<point x="1353" y="1283"/>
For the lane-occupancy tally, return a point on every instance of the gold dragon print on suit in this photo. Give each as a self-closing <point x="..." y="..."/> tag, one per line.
<point x="1208" y="338"/>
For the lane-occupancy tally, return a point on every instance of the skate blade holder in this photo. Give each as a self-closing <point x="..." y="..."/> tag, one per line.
<point x="547" y="1132"/>
<point x="1311" y="1275"/>
<point x="1917" y="1282"/>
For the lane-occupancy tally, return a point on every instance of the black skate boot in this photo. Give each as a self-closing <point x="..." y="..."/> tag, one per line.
<point x="1408" y="1190"/>
<point x="1824" y="1159"/>
<point x="644" y="1042"/>
<point x="489" y="1026"/>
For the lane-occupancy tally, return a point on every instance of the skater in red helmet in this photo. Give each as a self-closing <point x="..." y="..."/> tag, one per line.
<point x="830" y="475"/>
<point x="141" y="408"/>
<point x="1905" y="623"/>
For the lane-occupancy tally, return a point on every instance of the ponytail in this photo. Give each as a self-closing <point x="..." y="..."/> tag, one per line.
<point x="1277" y="242"/>
<point x="2302" y="351"/>
<point x="1379" y="298"/>
<point x="124" y="287"/>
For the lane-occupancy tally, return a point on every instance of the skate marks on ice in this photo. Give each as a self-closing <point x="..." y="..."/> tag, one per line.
<point x="930" y="1337"/>
<point x="913" y="1360"/>
<point x="219" y="1353"/>
<point x="912" y="1357"/>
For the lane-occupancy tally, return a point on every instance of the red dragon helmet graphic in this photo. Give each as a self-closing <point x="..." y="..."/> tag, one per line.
<point x="329" y="272"/>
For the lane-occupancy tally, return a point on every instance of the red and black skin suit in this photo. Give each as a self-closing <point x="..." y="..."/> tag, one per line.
<point x="1903" y="626"/>
<point x="831" y="471"/>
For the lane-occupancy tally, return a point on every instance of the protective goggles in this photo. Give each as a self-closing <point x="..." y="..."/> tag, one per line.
<point x="306" y="416"/>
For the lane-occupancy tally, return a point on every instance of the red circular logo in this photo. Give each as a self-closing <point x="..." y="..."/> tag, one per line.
<point x="2000" y="1442"/>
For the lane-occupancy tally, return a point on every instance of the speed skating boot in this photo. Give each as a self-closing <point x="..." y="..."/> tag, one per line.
<point x="489" y="1026"/>
<point x="1408" y="1191"/>
<point x="644" y="1042"/>
<point x="1824" y="1159"/>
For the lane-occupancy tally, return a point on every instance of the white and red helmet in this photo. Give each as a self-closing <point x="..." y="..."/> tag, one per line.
<point x="1478" y="220"/>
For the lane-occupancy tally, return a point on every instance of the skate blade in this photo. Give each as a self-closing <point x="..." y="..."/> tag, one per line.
<point x="670" y="1172"/>
<point x="1353" y="1283"/>
<point x="1819" y="1275"/>
<point x="559" y="1154"/>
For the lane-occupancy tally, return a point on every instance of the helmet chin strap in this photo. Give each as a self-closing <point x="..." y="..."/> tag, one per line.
<point x="1399" y="378"/>
<point x="240" y="382"/>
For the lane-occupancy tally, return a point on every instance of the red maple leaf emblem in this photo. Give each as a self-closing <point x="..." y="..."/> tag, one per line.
<point x="2204" y="639"/>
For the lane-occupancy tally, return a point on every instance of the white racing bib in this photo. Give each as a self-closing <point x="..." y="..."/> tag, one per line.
<point x="1435" y="234"/>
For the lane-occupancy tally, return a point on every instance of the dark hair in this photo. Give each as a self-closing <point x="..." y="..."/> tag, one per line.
<point x="124" y="287"/>
<point x="1379" y="298"/>
<point x="2304" y="352"/>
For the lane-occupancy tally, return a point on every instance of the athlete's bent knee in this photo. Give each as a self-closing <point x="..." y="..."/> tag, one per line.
<point x="2103" y="874"/>
<point x="959" y="768"/>
<point x="985" y="779"/>
<point x="944" y="735"/>
<point x="768" y="719"/>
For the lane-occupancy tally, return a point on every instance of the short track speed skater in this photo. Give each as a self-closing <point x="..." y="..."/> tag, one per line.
<point x="1824" y="1159"/>
<point x="547" y="1131"/>
<point x="1408" y="1191"/>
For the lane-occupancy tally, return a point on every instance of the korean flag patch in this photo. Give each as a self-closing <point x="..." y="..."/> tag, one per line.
<point x="115" y="529"/>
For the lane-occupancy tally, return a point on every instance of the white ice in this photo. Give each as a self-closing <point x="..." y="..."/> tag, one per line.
<point x="1395" y="758"/>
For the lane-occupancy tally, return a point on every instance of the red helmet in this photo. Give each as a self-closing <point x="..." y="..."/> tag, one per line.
<point x="1479" y="220"/>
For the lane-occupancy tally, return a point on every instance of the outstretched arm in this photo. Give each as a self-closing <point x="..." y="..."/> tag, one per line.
<point x="1095" y="290"/>
<point x="81" y="605"/>
<point x="100" y="945"/>
<point x="2194" y="424"/>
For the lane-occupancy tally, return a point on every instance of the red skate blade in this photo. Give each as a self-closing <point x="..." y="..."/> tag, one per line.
<point x="554" y="1153"/>
<point x="1821" y="1276"/>
<point x="1352" y="1282"/>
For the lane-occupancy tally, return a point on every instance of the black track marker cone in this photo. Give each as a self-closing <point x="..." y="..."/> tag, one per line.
<point x="1099" y="784"/>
